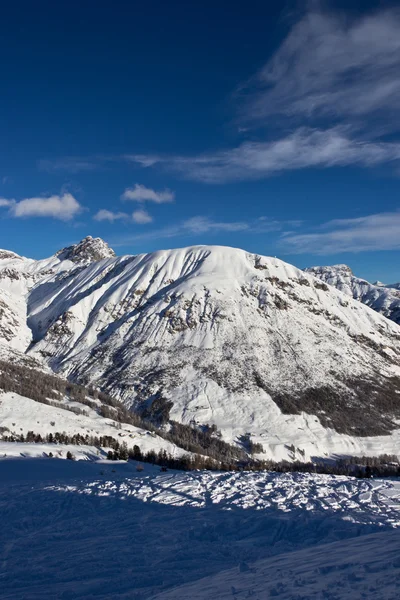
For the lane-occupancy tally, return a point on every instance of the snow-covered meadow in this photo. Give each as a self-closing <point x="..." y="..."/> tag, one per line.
<point x="103" y="530"/>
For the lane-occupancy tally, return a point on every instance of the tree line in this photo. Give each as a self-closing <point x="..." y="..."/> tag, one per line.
<point x="361" y="467"/>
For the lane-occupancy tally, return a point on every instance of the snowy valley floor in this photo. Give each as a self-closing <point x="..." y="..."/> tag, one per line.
<point x="102" y="530"/>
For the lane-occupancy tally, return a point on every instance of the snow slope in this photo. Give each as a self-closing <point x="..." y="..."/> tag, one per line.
<point x="246" y="342"/>
<point x="20" y="415"/>
<point x="383" y="299"/>
<point x="87" y="530"/>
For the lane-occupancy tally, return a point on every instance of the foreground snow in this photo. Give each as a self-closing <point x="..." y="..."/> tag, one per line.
<point x="90" y="530"/>
<point x="355" y="569"/>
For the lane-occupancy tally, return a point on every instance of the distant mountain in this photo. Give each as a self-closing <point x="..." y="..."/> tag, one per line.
<point x="213" y="335"/>
<point x="385" y="299"/>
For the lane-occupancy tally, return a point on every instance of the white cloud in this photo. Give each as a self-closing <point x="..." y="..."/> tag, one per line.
<point x="108" y="215"/>
<point x="4" y="202"/>
<point x="380" y="231"/>
<point x="331" y="66"/>
<point x="141" y="217"/>
<point x="301" y="149"/>
<point x="140" y="193"/>
<point x="64" y="207"/>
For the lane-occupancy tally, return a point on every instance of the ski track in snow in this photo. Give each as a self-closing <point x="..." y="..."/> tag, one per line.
<point x="87" y="530"/>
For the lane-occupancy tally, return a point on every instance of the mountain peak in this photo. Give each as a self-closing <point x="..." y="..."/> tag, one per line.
<point x="87" y="250"/>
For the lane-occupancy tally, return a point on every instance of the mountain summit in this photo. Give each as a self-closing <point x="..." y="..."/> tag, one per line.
<point x="87" y="250"/>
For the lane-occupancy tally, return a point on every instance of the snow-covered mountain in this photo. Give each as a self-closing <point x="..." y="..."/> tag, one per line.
<point x="385" y="299"/>
<point x="214" y="335"/>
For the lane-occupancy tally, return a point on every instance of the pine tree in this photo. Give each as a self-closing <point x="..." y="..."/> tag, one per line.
<point x="123" y="452"/>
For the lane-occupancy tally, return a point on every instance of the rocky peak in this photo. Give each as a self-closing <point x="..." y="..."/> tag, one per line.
<point x="87" y="250"/>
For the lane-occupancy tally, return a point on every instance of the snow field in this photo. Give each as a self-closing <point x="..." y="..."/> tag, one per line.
<point x="96" y="530"/>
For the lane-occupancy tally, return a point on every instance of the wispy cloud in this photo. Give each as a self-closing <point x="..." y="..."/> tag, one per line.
<point x="194" y="226"/>
<point x="202" y="226"/>
<point x="63" y="207"/>
<point x="206" y="225"/>
<point x="380" y="231"/>
<point x="331" y="66"/>
<point x="324" y="79"/>
<point x="327" y="96"/>
<point x="72" y="164"/>
<point x="304" y="148"/>
<point x="141" y="193"/>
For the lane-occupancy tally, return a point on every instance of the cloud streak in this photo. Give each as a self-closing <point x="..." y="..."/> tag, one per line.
<point x="380" y="231"/>
<point x="330" y="66"/>
<point x="201" y="226"/>
<point x="333" y="89"/>
<point x="71" y="164"/>
<point x="304" y="148"/>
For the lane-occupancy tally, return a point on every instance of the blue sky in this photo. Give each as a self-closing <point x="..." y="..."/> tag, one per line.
<point x="269" y="126"/>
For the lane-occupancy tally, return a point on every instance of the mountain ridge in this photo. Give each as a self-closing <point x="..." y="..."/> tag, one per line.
<point x="218" y="335"/>
<point x="385" y="299"/>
